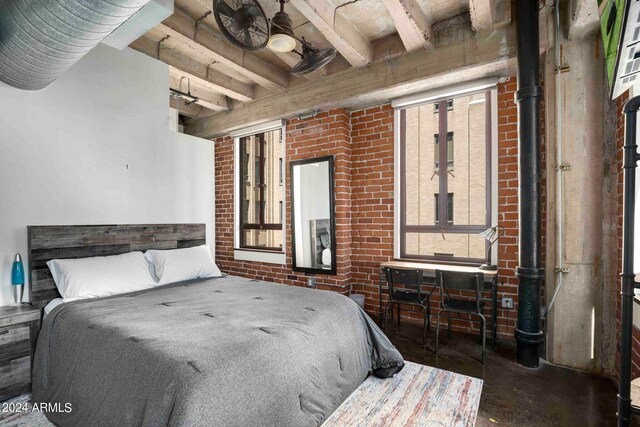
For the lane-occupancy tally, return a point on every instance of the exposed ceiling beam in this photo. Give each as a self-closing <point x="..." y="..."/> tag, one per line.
<point x="217" y="81"/>
<point x="191" y="110"/>
<point x="487" y="54"/>
<point x="182" y="28"/>
<point x="352" y="45"/>
<point x="412" y="24"/>
<point x="482" y="13"/>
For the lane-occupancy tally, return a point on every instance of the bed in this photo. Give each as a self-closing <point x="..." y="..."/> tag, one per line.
<point x="222" y="351"/>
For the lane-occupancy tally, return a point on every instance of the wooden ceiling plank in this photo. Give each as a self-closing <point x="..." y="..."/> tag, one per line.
<point x="182" y="28"/>
<point x="484" y="55"/>
<point x="347" y="40"/>
<point x="413" y="26"/>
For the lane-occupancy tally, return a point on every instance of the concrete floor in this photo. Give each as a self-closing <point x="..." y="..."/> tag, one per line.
<point x="513" y="395"/>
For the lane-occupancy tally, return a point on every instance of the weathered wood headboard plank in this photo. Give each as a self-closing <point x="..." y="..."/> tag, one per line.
<point x="80" y="241"/>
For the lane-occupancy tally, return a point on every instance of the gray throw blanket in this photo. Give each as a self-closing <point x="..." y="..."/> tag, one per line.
<point x="220" y="352"/>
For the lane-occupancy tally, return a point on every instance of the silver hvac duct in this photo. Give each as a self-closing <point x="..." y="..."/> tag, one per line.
<point x="41" y="39"/>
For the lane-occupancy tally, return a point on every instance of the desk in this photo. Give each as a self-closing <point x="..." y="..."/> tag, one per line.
<point x="429" y="275"/>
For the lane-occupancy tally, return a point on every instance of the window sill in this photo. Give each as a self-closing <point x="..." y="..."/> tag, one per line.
<point x="255" y="255"/>
<point x="474" y="263"/>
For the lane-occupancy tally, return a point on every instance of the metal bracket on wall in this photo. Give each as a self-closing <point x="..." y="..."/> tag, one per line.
<point x="563" y="167"/>
<point x="561" y="269"/>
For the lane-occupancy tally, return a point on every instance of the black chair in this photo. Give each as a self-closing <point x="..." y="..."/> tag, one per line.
<point x="411" y="293"/>
<point x="449" y="280"/>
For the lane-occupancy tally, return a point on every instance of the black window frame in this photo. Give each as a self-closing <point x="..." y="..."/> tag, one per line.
<point x="445" y="104"/>
<point x="244" y="226"/>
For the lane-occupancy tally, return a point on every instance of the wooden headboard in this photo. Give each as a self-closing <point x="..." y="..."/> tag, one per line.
<point x="80" y="241"/>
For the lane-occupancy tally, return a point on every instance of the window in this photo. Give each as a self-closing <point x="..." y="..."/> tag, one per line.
<point x="436" y="106"/>
<point x="436" y="151"/>
<point x="436" y="198"/>
<point x="426" y="191"/>
<point x="261" y="191"/>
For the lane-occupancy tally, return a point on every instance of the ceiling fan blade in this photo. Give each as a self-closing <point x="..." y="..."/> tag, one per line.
<point x="313" y="60"/>
<point x="253" y="11"/>
<point x="224" y="9"/>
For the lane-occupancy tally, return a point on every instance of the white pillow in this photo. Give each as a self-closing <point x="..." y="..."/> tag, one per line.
<point x="100" y="276"/>
<point x="177" y="265"/>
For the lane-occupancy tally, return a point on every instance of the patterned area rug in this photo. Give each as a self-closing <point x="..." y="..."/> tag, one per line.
<point x="417" y="396"/>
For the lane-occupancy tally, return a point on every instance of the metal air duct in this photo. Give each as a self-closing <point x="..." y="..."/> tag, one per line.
<point x="41" y="39"/>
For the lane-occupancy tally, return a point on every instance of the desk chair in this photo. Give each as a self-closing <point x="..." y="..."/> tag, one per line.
<point x="449" y="280"/>
<point x="411" y="293"/>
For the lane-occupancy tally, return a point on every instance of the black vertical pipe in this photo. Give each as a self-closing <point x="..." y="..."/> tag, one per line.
<point x="630" y="163"/>
<point x="530" y="272"/>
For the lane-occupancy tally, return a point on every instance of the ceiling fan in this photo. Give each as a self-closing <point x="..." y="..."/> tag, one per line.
<point x="245" y="24"/>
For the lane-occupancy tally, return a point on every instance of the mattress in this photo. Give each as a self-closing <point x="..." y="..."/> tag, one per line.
<point x="227" y="351"/>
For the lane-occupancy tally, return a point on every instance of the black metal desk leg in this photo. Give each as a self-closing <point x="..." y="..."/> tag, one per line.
<point x="494" y="296"/>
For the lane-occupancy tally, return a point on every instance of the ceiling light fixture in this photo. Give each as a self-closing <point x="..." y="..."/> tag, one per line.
<point x="186" y="97"/>
<point x="281" y="38"/>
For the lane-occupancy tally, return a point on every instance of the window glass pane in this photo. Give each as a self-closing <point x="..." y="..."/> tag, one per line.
<point x="265" y="239"/>
<point x="261" y="174"/>
<point x="449" y="208"/>
<point x="436" y="151"/>
<point x="467" y="180"/>
<point x="453" y="245"/>
<point x="451" y="152"/>
<point x="251" y="175"/>
<point x="272" y="188"/>
<point x="421" y="178"/>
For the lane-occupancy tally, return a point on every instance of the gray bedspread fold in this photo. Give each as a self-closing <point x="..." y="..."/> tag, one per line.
<point x="221" y="352"/>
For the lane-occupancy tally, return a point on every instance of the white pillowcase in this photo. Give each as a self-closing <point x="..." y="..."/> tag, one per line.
<point x="101" y="276"/>
<point x="177" y="265"/>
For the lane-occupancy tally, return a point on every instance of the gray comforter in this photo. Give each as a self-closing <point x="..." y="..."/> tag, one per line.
<point x="220" y="352"/>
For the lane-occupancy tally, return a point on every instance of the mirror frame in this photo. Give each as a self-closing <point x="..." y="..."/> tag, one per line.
<point x="332" y="213"/>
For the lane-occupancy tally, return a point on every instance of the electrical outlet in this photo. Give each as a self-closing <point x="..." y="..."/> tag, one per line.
<point x="507" y="302"/>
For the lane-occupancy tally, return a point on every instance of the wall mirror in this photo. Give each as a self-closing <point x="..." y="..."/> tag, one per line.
<point x="313" y="223"/>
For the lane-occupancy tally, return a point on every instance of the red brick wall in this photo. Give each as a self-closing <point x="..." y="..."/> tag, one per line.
<point x="372" y="217"/>
<point x="620" y="192"/>
<point x="362" y="142"/>
<point x="508" y="201"/>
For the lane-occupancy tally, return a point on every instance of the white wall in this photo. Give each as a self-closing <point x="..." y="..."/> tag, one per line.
<point x="95" y="148"/>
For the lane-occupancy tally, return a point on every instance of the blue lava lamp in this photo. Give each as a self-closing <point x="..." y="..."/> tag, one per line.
<point x="17" y="279"/>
